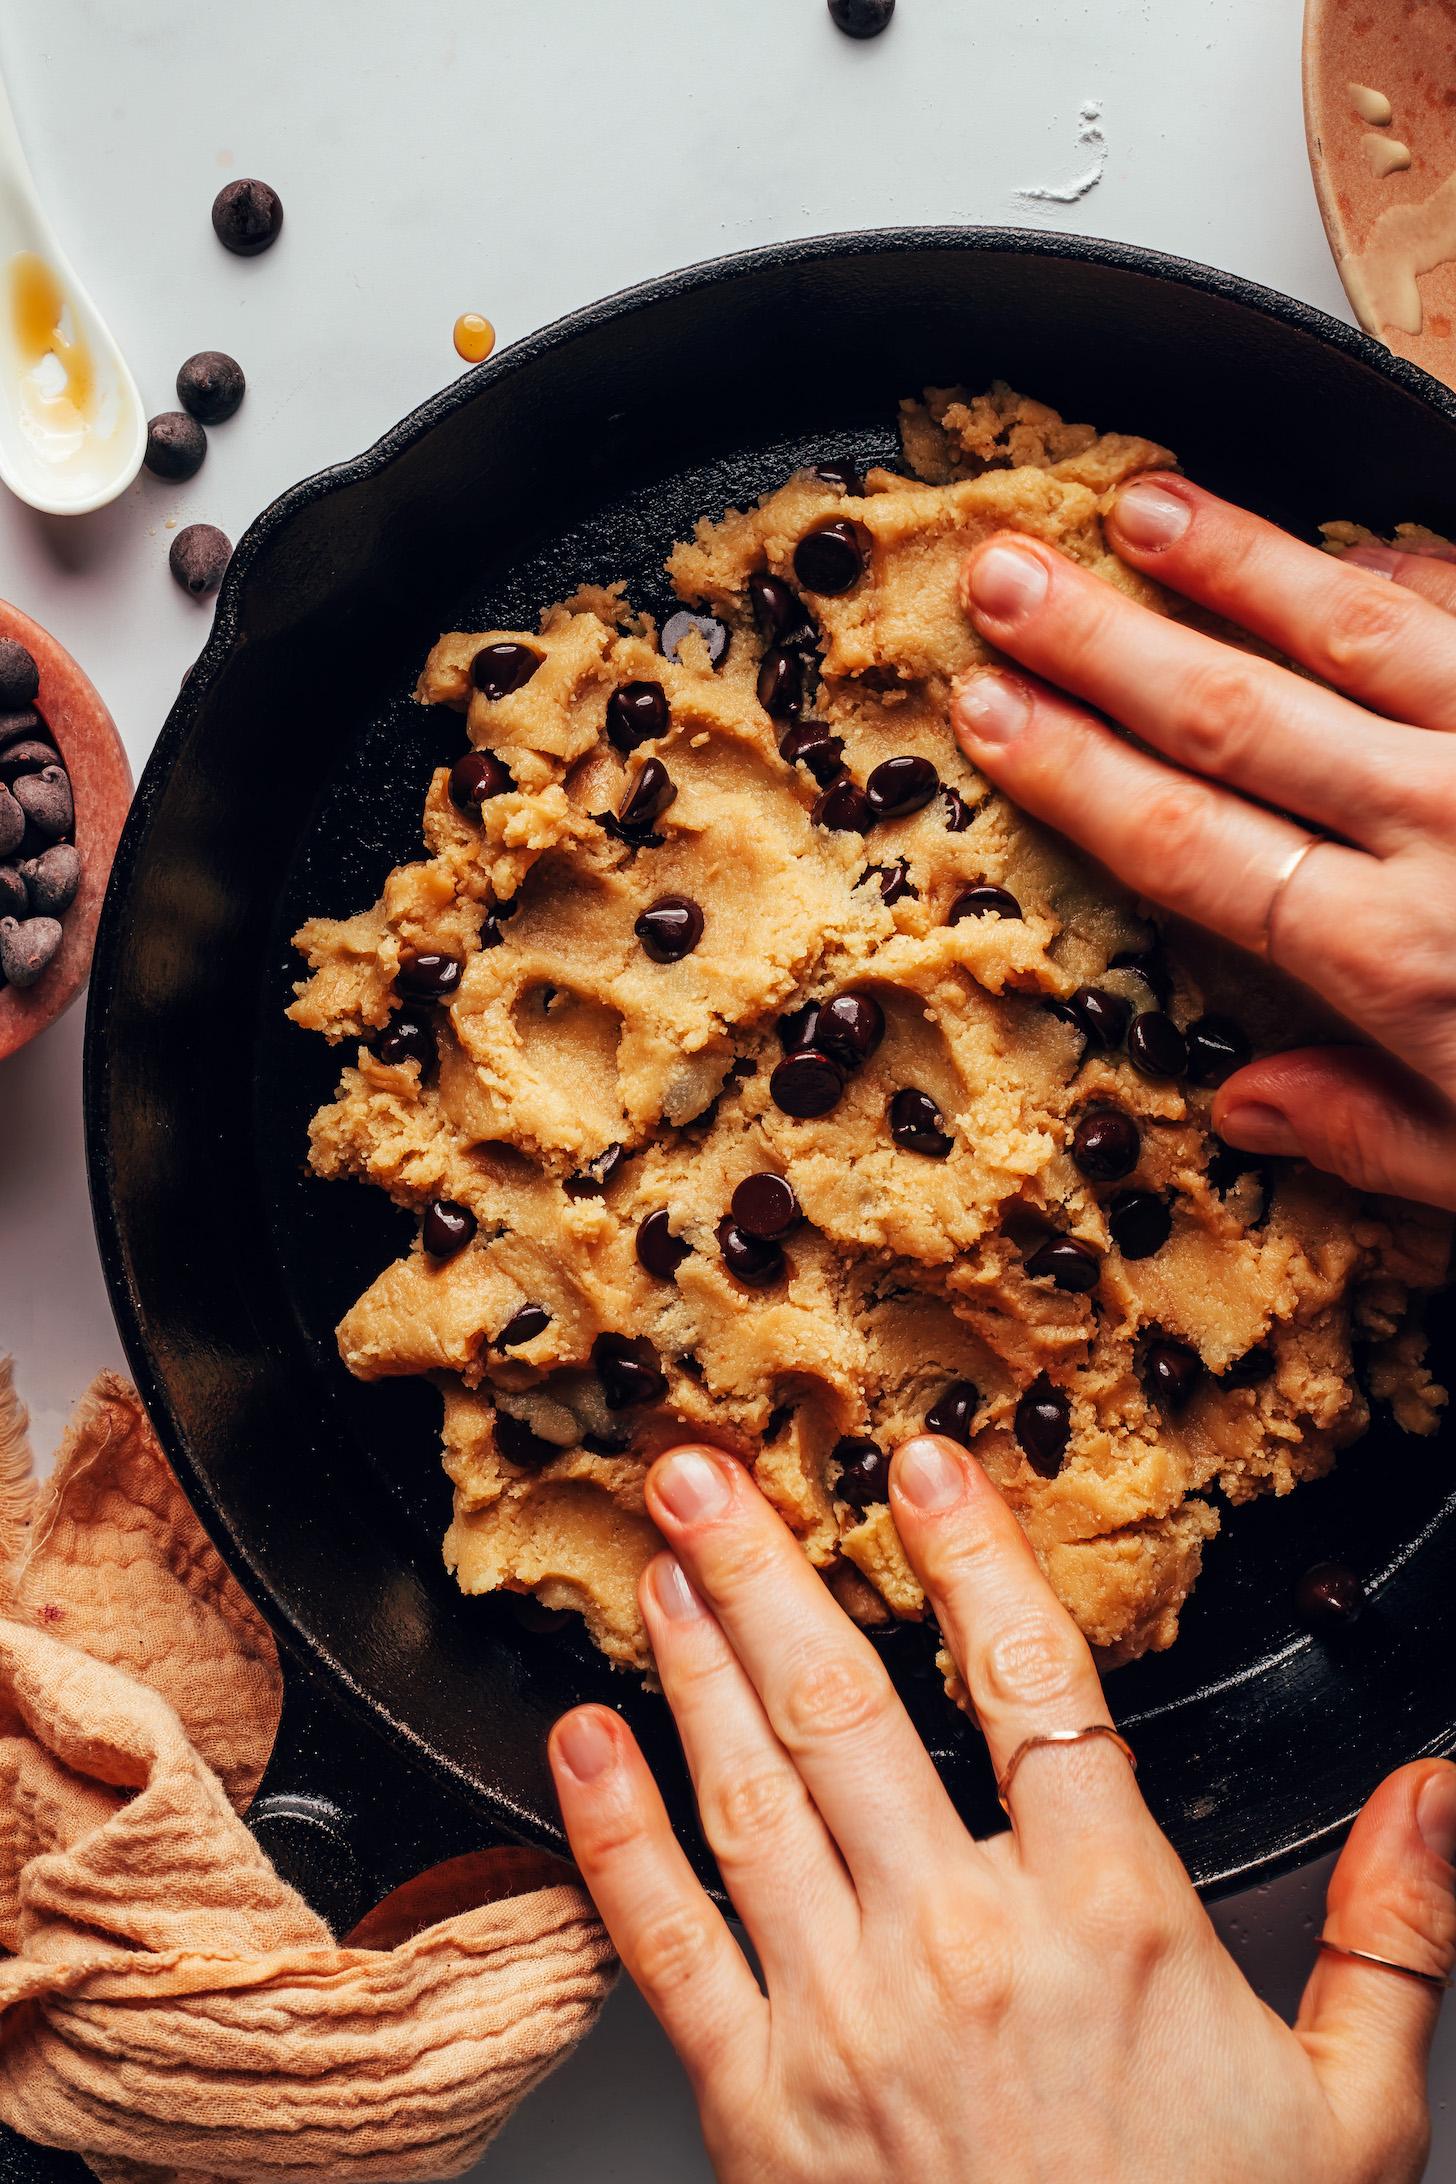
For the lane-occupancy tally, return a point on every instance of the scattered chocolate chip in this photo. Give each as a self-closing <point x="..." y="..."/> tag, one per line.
<point x="596" y="1175"/>
<point x="649" y="793"/>
<point x="1140" y="1223"/>
<point x="46" y="800"/>
<point x="12" y="823"/>
<point x="1171" y="1371"/>
<point x="51" y="879"/>
<point x="984" y="901"/>
<point x="659" y="1252"/>
<point x="176" y="445"/>
<point x="406" y="1038"/>
<point x="715" y="635"/>
<point x="519" y="1445"/>
<point x="636" y="713"/>
<point x="210" y="386"/>
<point x="499" y="669"/>
<point x="1251" y="1370"/>
<point x="19" y="675"/>
<point x="670" y="928"/>
<point x="1151" y="966"/>
<point x="842" y="476"/>
<point x="901" y="785"/>
<point x="476" y="778"/>
<point x="1068" y="1262"/>
<point x="27" y="948"/>
<point x="1106" y="1144"/>
<point x="764" y="1205"/>
<point x="491" y="935"/>
<point x="917" y="1125"/>
<point x="743" y="1065"/>
<point x="778" y="610"/>
<point x="15" y="900"/>
<point x="247" y="216"/>
<point x="781" y="683"/>
<point x="523" y="1326"/>
<point x="1329" y="1597"/>
<point x="954" y="1410"/>
<point x="26" y="757"/>
<point x="628" y="1369"/>
<point x="22" y="724"/>
<point x="812" y="743"/>
<point x="1216" y="1048"/>
<point x="1104" y="1016"/>
<point x="849" y="1028"/>
<point x="861" y="18"/>
<point x="428" y="976"/>
<point x="843" y="809"/>
<point x="895" y="882"/>
<point x="796" y="1028"/>
<point x="1227" y="1164"/>
<point x="447" y="1228"/>
<point x="805" y="1083"/>
<point x="864" y="1471"/>
<point x="1156" y="1047"/>
<point x="1044" y="1426"/>
<point x="958" y="813"/>
<point x="200" y="553"/>
<point x="756" y="1261"/>
<point x="832" y="559"/>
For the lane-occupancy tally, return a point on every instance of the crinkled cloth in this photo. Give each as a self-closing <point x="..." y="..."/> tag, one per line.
<point x="170" y="2008"/>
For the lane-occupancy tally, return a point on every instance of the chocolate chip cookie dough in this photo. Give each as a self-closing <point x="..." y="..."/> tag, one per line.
<point x="759" y="1074"/>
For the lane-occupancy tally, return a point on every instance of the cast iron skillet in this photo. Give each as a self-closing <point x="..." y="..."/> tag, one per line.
<point x="289" y="778"/>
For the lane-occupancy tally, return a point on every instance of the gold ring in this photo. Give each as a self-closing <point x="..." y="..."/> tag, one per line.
<point x="1282" y="879"/>
<point x="1384" y="1964"/>
<point x="1059" y="1736"/>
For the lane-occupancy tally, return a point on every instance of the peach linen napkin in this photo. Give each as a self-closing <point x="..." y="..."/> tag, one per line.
<point x="169" y="2007"/>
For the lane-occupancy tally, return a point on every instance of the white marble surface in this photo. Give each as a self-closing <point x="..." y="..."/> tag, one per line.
<point x="520" y="157"/>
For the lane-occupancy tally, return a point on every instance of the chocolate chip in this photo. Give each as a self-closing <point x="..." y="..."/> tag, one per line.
<point x="607" y="1444"/>
<point x="476" y="778"/>
<point x="797" y="1028"/>
<point x="429" y="975"/>
<point x="636" y="713"/>
<point x="46" y="800"/>
<point x="778" y="610"/>
<point x="983" y="901"/>
<point x="519" y="1445"/>
<point x="715" y="635"/>
<point x="1227" y="1165"/>
<point x="917" y="1125"/>
<point x="850" y="1028"/>
<point x="1216" y="1048"/>
<point x="861" y="18"/>
<point x="958" y="813"/>
<point x="596" y="1175"/>
<point x="1251" y="1370"/>
<point x="864" y="1471"/>
<point x="1140" y="1223"/>
<point x="19" y="675"/>
<point x="200" y="554"/>
<point x="1156" y="1047"/>
<point x="1171" y="1372"/>
<point x="499" y="669"/>
<point x="491" y="935"/>
<point x="832" y="559"/>
<point x="247" y="216"/>
<point x="659" y="1252"/>
<point x="21" y="725"/>
<point x="780" y="683"/>
<point x="1151" y="967"/>
<point x="28" y="756"/>
<point x="14" y="897"/>
<point x="954" y="1410"/>
<point x="670" y="928"/>
<point x="743" y="1065"/>
<point x="176" y="444"/>
<point x="843" y="809"/>
<point x="447" y="1228"/>
<point x="649" y="793"/>
<point x="895" y="882"/>
<point x="811" y="743"/>
<point x="842" y="476"/>
<point x="1044" y="1426"/>
<point x="523" y="1326"/>
<point x="27" y="948"/>
<point x="755" y="1261"/>
<point x="806" y="1083"/>
<point x="210" y="386"/>
<point x="901" y="785"/>
<point x="1068" y="1262"/>
<point x="1106" y="1144"/>
<point x="406" y="1038"/>
<point x="1329" y="1597"/>
<point x="12" y="823"/>
<point x="628" y="1370"/>
<point x="764" y="1205"/>
<point x="51" y="879"/>
<point x="1104" y="1016"/>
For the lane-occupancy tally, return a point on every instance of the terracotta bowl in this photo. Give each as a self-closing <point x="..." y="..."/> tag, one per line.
<point x="85" y="735"/>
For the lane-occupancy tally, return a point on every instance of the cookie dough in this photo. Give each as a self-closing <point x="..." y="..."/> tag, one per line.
<point x="568" y="1024"/>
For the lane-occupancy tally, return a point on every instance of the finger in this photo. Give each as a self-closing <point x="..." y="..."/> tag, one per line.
<point x="672" y="1940"/>
<point x="1379" y="643"/>
<point x="1350" y="1111"/>
<point x="1025" y="1663"/>
<point x="1430" y="574"/>
<point x="825" y="1692"/>
<point x="1367" y="2030"/>
<point x="785" y="1876"/>
<point x="1219" y="712"/>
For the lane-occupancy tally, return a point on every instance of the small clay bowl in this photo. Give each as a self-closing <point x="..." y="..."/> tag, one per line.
<point x="85" y="735"/>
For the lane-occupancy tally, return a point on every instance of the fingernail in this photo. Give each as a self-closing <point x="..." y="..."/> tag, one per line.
<point x="992" y="707"/>
<point x="672" y="1592"/>
<point x="1149" y="517"/>
<point x="928" y="1476"/>
<point x="1006" y="581"/>
<point x="1255" y="1128"/>
<point x="1379" y="560"/>
<point x="585" y="1745"/>
<point x="691" y="1485"/>
<point x="1436" y="1813"/>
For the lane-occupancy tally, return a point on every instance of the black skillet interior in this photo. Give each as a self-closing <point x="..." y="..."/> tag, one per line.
<point x="290" y="778"/>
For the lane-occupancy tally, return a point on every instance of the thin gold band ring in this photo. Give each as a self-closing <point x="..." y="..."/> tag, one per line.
<point x="1282" y="879"/>
<point x="1385" y="1964"/>
<point x="1059" y="1736"/>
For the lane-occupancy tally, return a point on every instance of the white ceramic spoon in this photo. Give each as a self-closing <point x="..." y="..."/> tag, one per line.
<point x="72" y="427"/>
